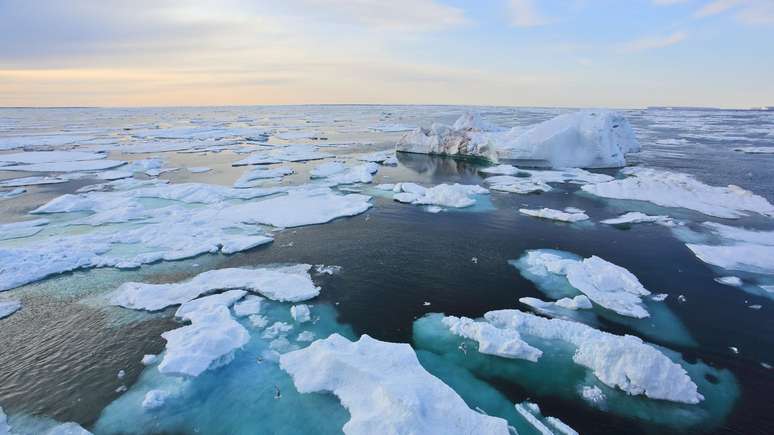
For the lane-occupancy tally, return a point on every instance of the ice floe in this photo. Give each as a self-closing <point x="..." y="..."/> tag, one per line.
<point x="68" y="166"/>
<point x="606" y="284"/>
<point x="293" y="153"/>
<point x="442" y="195"/>
<point x="32" y="181"/>
<point x="32" y="157"/>
<point x="636" y="217"/>
<point x="409" y="399"/>
<point x="9" y="307"/>
<point x="755" y="150"/>
<point x="300" y="313"/>
<point x="208" y="341"/>
<point x="13" y="193"/>
<point x="21" y="229"/>
<point x="739" y="249"/>
<point x="544" y="425"/>
<point x="254" y="177"/>
<point x="557" y="215"/>
<point x="491" y="340"/>
<point x="677" y="190"/>
<point x="290" y="283"/>
<point x="387" y="158"/>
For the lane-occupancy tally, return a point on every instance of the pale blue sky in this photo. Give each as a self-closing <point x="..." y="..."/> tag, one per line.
<point x="619" y="53"/>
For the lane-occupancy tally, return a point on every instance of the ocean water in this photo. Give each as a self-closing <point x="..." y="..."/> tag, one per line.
<point x="59" y="355"/>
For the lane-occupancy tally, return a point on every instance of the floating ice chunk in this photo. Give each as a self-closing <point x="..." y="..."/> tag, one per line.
<point x="5" y="429"/>
<point x="356" y="174"/>
<point x="155" y="399"/>
<point x="466" y="138"/>
<point x="251" y="305"/>
<point x="189" y="309"/>
<point x="69" y="428"/>
<point x="733" y="281"/>
<point x="443" y="195"/>
<point x="115" y="174"/>
<point x="327" y="270"/>
<point x="409" y="399"/>
<point x="672" y="189"/>
<point x="276" y="329"/>
<point x="580" y="302"/>
<point x="300" y="313"/>
<point x="149" y="359"/>
<point x="198" y="169"/>
<point x="32" y="181"/>
<point x="740" y="249"/>
<point x="291" y="283"/>
<point x="254" y="177"/>
<point x="531" y="412"/>
<point x="30" y="157"/>
<point x="521" y="185"/>
<point x="258" y="321"/>
<point x="13" y="193"/>
<point x="74" y="166"/>
<point x="755" y="150"/>
<point x="584" y="139"/>
<point x="327" y="169"/>
<point x="636" y="217"/>
<point x="661" y="297"/>
<point x="9" y="307"/>
<point x="383" y="157"/>
<point x="625" y="362"/>
<point x="557" y="215"/>
<point x="391" y="128"/>
<point x="21" y="229"/>
<point x="593" y="394"/>
<point x="491" y="340"/>
<point x="606" y="284"/>
<point x="294" y="153"/>
<point x="208" y="341"/>
<point x="303" y="207"/>
<point x="305" y="336"/>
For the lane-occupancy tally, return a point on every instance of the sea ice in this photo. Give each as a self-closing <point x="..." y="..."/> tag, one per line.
<point x="300" y="313"/>
<point x="254" y="177"/>
<point x="443" y="195"/>
<point x="33" y="157"/>
<point x="739" y="249"/>
<point x="249" y="306"/>
<point x="558" y="215"/>
<point x="9" y="307"/>
<point x="491" y="340"/>
<point x="290" y="283"/>
<point x="672" y="189"/>
<point x="13" y="193"/>
<point x="293" y="153"/>
<point x="636" y="217"/>
<point x="68" y="166"/>
<point x="209" y="340"/>
<point x="198" y="169"/>
<point x="31" y="181"/>
<point x="584" y="139"/>
<point x="466" y="139"/>
<point x="384" y="388"/>
<point x="733" y="281"/>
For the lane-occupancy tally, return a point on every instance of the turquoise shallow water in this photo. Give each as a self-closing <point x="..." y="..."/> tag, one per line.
<point x="62" y="351"/>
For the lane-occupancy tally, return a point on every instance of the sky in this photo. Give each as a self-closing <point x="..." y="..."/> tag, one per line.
<point x="569" y="53"/>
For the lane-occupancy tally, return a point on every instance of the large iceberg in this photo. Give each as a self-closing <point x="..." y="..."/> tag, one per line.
<point x="384" y="388"/>
<point x="673" y="189"/>
<point x="588" y="138"/>
<point x="466" y="138"/>
<point x="584" y="139"/>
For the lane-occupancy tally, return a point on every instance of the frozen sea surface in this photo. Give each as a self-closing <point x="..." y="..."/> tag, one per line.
<point x="311" y="199"/>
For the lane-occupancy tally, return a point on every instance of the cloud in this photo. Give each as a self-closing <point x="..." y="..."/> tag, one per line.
<point x="651" y="43"/>
<point x="524" y="13"/>
<point x="755" y="12"/>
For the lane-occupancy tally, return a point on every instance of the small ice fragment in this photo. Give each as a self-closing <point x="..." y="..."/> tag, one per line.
<point x="300" y="313"/>
<point x="733" y="281"/>
<point x="766" y="365"/>
<point x="755" y="307"/>
<point x="426" y="304"/>
<point x="434" y="209"/>
<point x="198" y="169"/>
<point x="327" y="270"/>
<point x="681" y="298"/>
<point x="306" y="336"/>
<point x="593" y="394"/>
<point x="121" y="374"/>
<point x="659" y="297"/>
<point x="258" y="321"/>
<point x="474" y="260"/>
<point x="149" y="359"/>
<point x="154" y="399"/>
<point x="734" y="349"/>
<point x="121" y="389"/>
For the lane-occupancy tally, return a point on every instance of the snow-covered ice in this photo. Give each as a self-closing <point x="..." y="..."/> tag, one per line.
<point x="739" y="249"/>
<point x="584" y="139"/>
<point x="636" y="217"/>
<point x="442" y="195"/>
<point x="673" y="189"/>
<point x="491" y="340"/>
<point x="290" y="283"/>
<point x="300" y="313"/>
<point x="557" y="215"/>
<point x="32" y="157"/>
<point x="466" y="138"/>
<point x="9" y="307"/>
<point x="68" y="166"/>
<point x="384" y="388"/>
